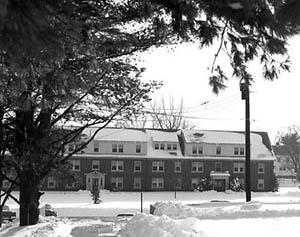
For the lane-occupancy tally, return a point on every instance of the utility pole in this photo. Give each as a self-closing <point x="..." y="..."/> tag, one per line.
<point x="244" y="87"/>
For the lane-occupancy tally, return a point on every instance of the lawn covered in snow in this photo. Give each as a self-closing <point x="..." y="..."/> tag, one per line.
<point x="206" y="214"/>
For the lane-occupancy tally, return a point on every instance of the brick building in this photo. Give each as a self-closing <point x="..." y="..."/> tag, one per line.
<point x="148" y="159"/>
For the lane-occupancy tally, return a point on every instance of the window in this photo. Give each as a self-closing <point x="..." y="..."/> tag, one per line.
<point x="260" y="184"/>
<point x="162" y="146"/>
<point x="51" y="182"/>
<point x="177" y="167"/>
<point x="236" y="151"/>
<point x="169" y="147"/>
<point x="261" y="168"/>
<point x="157" y="183"/>
<point x="200" y="150"/>
<point x="239" y="151"/>
<point x="121" y="148"/>
<point x="194" y="150"/>
<point x="137" y="183"/>
<point x="71" y="147"/>
<point x="157" y="166"/>
<point x="242" y="151"/>
<point x="5" y="184"/>
<point x="156" y="146"/>
<point x="75" y="165"/>
<point x="218" y="150"/>
<point x="96" y="146"/>
<point x="117" y="182"/>
<point x="117" y="165"/>
<point x="218" y="166"/>
<point x="197" y="167"/>
<point x="174" y="147"/>
<point x="95" y="165"/>
<point x="138" y="148"/>
<point x="114" y="147"/>
<point x="238" y="167"/>
<point x="195" y="182"/>
<point x="137" y="166"/>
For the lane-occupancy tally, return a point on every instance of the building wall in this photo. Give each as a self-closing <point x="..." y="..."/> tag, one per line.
<point x="169" y="175"/>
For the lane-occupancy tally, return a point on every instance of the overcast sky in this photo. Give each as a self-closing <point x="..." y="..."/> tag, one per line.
<point x="184" y="72"/>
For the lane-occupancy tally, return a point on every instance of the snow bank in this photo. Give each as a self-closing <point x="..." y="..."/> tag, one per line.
<point x="248" y="210"/>
<point x="160" y="226"/>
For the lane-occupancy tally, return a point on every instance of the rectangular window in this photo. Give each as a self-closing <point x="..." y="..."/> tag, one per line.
<point x="114" y="148"/>
<point x="200" y="150"/>
<point x="194" y="150"/>
<point x="138" y="148"/>
<point x="218" y="166"/>
<point x="121" y="148"/>
<point x="117" y="182"/>
<point x="156" y="146"/>
<point x="71" y="147"/>
<point x="117" y="165"/>
<point x="51" y="182"/>
<point x="162" y="146"/>
<point x="5" y="184"/>
<point x="157" y="166"/>
<point x="260" y="184"/>
<point x="137" y="166"/>
<point x="236" y="151"/>
<point x="174" y="147"/>
<point x="76" y="165"/>
<point x="261" y="168"/>
<point x="96" y="146"/>
<point x="177" y="167"/>
<point x="218" y="150"/>
<point x="157" y="183"/>
<point x="242" y="151"/>
<point x="239" y="167"/>
<point x="95" y="165"/>
<point x="137" y="183"/>
<point x="197" y="167"/>
<point x="169" y="147"/>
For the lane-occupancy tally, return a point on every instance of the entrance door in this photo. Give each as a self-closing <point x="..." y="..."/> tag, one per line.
<point x="95" y="182"/>
<point x="219" y="185"/>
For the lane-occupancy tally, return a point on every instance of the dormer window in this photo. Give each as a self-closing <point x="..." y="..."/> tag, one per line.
<point x="138" y="148"/>
<point x="169" y="147"/>
<point x="162" y="146"/>
<point x="121" y="148"/>
<point x="174" y="147"/>
<point x="114" y="148"/>
<point x="96" y="146"/>
<point x="218" y="150"/>
<point x="156" y="146"/>
<point x="194" y="150"/>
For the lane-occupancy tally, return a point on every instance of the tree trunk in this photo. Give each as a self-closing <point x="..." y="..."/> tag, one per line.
<point x="29" y="200"/>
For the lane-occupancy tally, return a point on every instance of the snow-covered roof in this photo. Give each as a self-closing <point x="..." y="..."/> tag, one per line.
<point x="259" y="148"/>
<point x="162" y="136"/>
<point x="118" y="134"/>
<point x="218" y="137"/>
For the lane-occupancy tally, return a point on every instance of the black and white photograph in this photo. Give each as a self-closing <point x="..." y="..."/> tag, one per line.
<point x="149" y="118"/>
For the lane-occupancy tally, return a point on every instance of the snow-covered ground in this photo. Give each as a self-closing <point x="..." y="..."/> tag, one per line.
<point x="206" y="214"/>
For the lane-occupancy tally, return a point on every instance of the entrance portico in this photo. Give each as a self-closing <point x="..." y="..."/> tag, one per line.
<point x="93" y="179"/>
<point x="220" y="180"/>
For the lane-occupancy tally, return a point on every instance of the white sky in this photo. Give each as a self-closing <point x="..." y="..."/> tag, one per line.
<point x="184" y="72"/>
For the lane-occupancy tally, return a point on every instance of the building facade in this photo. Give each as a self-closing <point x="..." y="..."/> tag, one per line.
<point x="152" y="160"/>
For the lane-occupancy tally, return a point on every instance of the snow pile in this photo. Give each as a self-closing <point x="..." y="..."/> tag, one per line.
<point x="160" y="226"/>
<point x="248" y="210"/>
<point x="251" y="206"/>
